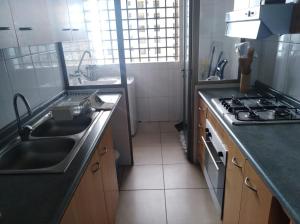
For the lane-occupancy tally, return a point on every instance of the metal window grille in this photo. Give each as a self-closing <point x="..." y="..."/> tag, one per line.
<point x="150" y="30"/>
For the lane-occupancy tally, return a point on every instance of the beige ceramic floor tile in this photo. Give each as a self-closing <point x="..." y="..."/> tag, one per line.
<point x="148" y="128"/>
<point x="183" y="176"/>
<point x="144" y="140"/>
<point x="173" y="154"/>
<point x="142" y="177"/>
<point x="141" y="207"/>
<point x="190" y="206"/>
<point x="167" y="127"/>
<point x="170" y="139"/>
<point x="147" y="155"/>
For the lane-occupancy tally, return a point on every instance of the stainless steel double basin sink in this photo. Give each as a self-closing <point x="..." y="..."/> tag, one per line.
<point x="52" y="146"/>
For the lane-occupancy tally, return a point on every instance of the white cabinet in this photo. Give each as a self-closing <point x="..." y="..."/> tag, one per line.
<point x="8" y="36"/>
<point x="77" y="19"/>
<point x="31" y="22"/>
<point x="244" y="4"/>
<point x="60" y="21"/>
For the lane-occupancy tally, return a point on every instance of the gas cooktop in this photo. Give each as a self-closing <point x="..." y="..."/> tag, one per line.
<point x="257" y="110"/>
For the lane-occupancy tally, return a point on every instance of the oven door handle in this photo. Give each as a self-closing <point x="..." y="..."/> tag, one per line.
<point x="210" y="154"/>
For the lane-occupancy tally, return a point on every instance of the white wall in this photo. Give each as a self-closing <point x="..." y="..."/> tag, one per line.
<point x="158" y="90"/>
<point x="278" y="63"/>
<point x="212" y="31"/>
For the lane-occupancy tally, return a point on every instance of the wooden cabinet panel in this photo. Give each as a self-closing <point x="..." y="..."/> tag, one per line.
<point x="256" y="199"/>
<point x="233" y="184"/>
<point x="109" y="175"/>
<point x="88" y="202"/>
<point x="8" y="36"/>
<point x="202" y="112"/>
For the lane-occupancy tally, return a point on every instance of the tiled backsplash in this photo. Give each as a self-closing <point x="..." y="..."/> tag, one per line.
<point x="279" y="63"/>
<point x="211" y="33"/>
<point x="158" y="90"/>
<point x="32" y="71"/>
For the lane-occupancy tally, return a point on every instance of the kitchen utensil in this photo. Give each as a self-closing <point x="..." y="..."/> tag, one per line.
<point x="211" y="60"/>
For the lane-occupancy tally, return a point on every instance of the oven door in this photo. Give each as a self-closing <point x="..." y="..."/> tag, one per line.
<point x="214" y="172"/>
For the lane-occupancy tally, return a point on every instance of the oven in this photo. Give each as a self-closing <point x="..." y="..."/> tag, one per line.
<point x="215" y="165"/>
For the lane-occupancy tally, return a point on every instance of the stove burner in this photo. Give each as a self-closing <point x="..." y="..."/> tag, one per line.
<point x="264" y="102"/>
<point x="282" y="112"/>
<point x="252" y="115"/>
<point x="235" y="101"/>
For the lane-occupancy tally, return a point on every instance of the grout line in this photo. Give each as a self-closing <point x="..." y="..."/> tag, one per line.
<point x="163" y="173"/>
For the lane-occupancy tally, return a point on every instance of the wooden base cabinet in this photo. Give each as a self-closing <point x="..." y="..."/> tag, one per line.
<point x="247" y="199"/>
<point x="234" y="184"/>
<point x="202" y="110"/>
<point x="96" y="197"/>
<point x="108" y="171"/>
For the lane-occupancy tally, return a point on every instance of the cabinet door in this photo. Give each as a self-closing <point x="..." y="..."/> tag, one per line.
<point x="241" y="4"/>
<point x="88" y="203"/>
<point x="256" y="199"/>
<point x="60" y="20"/>
<point x="233" y="184"/>
<point x="202" y="111"/>
<point x="77" y="19"/>
<point x="8" y="36"/>
<point x="31" y="22"/>
<point x="109" y="175"/>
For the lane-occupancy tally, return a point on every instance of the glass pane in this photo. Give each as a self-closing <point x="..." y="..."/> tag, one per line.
<point x="132" y="24"/>
<point x="134" y="44"/>
<point x="132" y="14"/>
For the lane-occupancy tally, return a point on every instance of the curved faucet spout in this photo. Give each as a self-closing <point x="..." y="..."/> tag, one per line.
<point x="23" y="134"/>
<point x="78" y="71"/>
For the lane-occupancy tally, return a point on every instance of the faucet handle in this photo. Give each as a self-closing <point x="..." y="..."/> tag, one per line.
<point x="25" y="132"/>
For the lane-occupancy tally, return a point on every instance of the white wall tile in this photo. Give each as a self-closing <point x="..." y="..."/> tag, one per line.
<point x="293" y="78"/>
<point x="6" y="97"/>
<point x="24" y="79"/>
<point x="143" y="109"/>
<point x="156" y="83"/>
<point x="159" y="110"/>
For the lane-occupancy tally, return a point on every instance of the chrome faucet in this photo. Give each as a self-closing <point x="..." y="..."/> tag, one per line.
<point x="78" y="70"/>
<point x="25" y="131"/>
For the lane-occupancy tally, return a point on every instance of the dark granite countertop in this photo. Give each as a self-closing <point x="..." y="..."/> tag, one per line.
<point x="42" y="198"/>
<point x="273" y="149"/>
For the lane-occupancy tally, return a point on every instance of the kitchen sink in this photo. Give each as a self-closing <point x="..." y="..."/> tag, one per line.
<point x="52" y="127"/>
<point x="37" y="154"/>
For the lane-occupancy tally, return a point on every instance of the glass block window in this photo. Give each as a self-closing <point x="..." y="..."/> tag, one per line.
<point x="150" y="30"/>
<point x="100" y="21"/>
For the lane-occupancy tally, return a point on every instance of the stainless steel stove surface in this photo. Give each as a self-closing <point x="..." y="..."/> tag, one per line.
<point x="258" y="109"/>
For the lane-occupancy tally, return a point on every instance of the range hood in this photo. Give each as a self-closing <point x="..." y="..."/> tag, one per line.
<point x="263" y="21"/>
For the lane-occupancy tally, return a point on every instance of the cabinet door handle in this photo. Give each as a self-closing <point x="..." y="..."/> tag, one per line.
<point x="104" y="151"/>
<point x="235" y="162"/>
<point x="2" y="28"/>
<point x="249" y="185"/>
<point x="95" y="167"/>
<point x="25" y="28"/>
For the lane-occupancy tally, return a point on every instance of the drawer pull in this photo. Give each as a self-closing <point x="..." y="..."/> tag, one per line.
<point x="200" y="109"/>
<point x="4" y="28"/>
<point x="235" y="162"/>
<point x="104" y="151"/>
<point x="66" y="29"/>
<point x="199" y="126"/>
<point x="95" y="167"/>
<point x="249" y="185"/>
<point x="25" y="28"/>
<point x="75" y="29"/>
